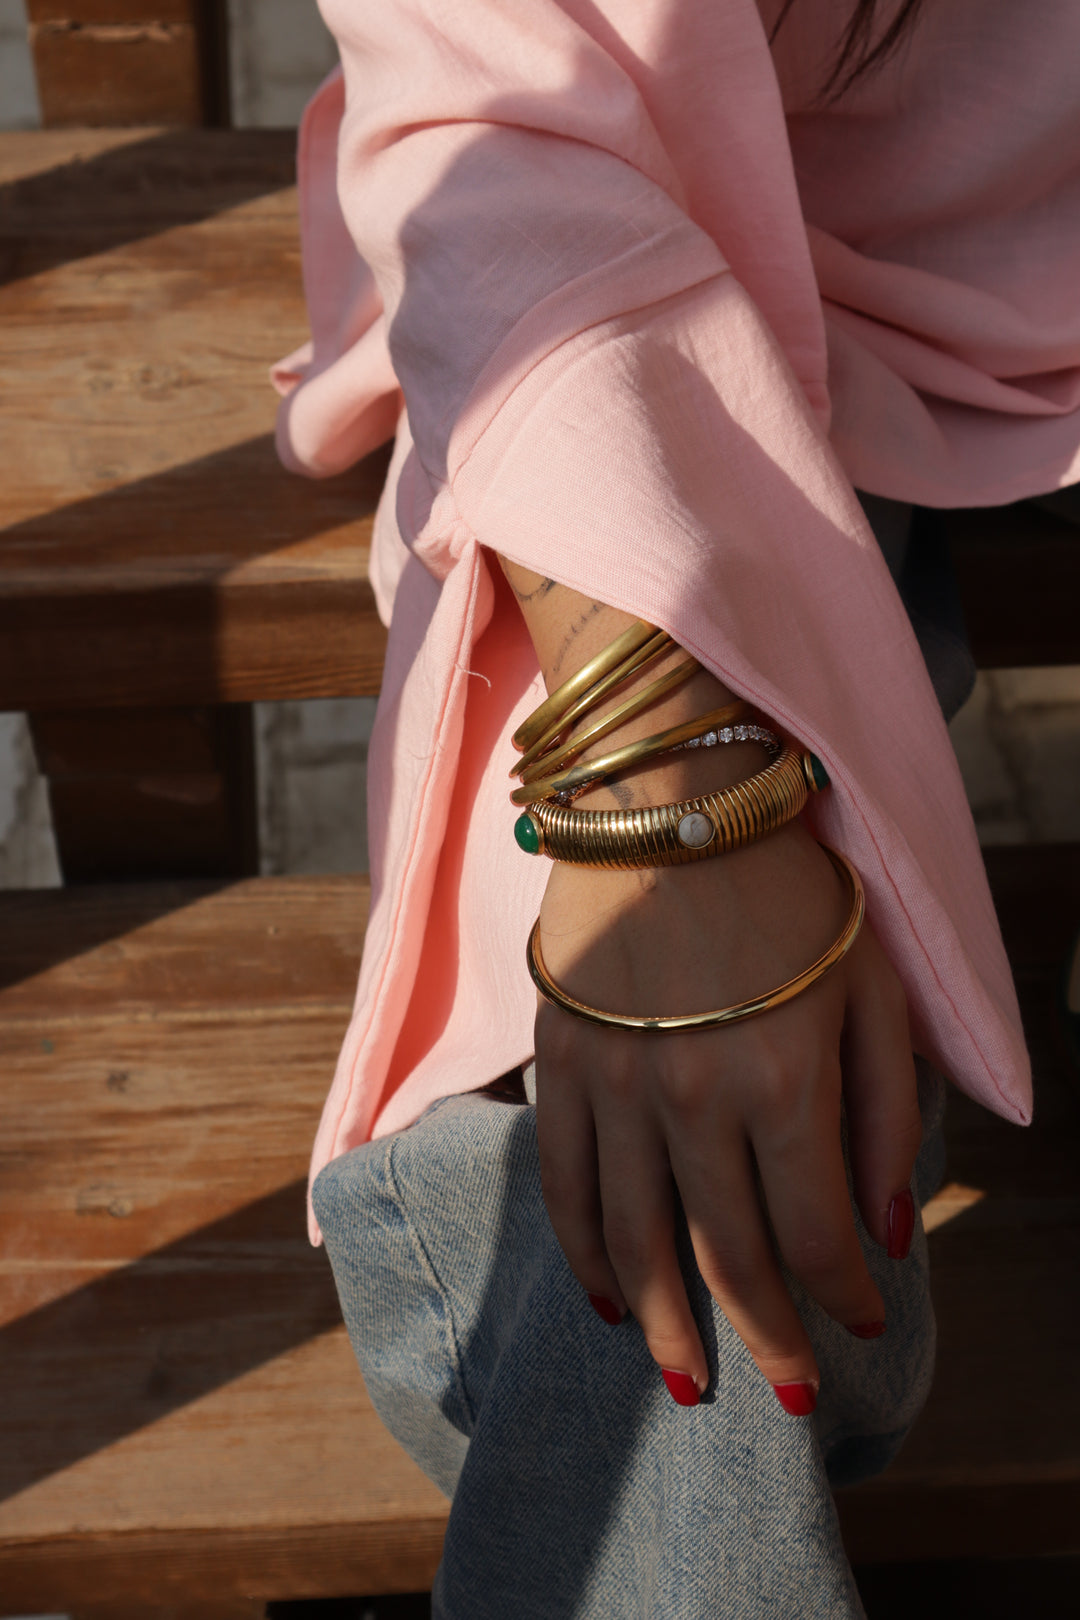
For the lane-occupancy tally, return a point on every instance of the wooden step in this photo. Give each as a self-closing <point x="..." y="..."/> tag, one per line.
<point x="992" y="1468"/>
<point x="190" y="1427"/>
<point x="183" y="1422"/>
<point x="152" y="550"/>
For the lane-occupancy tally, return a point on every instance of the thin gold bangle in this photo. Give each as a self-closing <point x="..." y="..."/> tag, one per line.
<point x="609" y="658"/>
<point x="556" y="759"/>
<point x="622" y="759"/>
<point x="658" y="646"/>
<point x="720" y="1015"/>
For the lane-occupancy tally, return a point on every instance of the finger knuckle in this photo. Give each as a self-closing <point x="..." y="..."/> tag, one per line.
<point x="731" y="1274"/>
<point x="685" y="1093"/>
<point x="632" y="1249"/>
<point x="669" y="1348"/>
<point x="819" y="1259"/>
<point x="554" y="1038"/>
<point x="778" y="1090"/>
<point x="619" y="1085"/>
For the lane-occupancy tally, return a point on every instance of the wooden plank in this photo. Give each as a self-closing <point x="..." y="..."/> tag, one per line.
<point x="152" y="550"/>
<point x="992" y="1468"/>
<point x="122" y="62"/>
<point x="200" y="948"/>
<point x="151" y="793"/>
<point x="1018" y="569"/>
<point x="159" y="1303"/>
<point x="191" y="1426"/>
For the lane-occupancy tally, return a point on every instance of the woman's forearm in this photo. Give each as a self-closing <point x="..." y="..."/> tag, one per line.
<point x="568" y="629"/>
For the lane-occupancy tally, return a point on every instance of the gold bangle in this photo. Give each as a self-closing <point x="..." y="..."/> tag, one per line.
<point x="625" y="647"/>
<point x="605" y="766"/>
<point x="656" y="647"/>
<point x="720" y="1015"/>
<point x="534" y="768"/>
<point x="670" y="834"/>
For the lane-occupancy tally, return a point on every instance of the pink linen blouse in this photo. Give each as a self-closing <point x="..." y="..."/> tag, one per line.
<point x="641" y="315"/>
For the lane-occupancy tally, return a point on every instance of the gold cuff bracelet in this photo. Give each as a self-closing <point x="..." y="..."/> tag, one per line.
<point x="720" y="1015"/>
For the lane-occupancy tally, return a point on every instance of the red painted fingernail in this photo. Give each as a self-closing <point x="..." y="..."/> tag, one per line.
<point x="681" y="1387"/>
<point x="901" y="1224"/>
<point x="798" y="1399"/>
<point x="604" y="1308"/>
<point x="866" y="1330"/>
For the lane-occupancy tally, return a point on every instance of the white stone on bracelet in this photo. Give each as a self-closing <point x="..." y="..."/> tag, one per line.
<point x="729" y="734"/>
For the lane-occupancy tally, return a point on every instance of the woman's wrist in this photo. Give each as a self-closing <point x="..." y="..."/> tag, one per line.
<point x="567" y="630"/>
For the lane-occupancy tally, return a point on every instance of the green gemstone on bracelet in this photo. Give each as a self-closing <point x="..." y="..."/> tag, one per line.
<point x="527" y="834"/>
<point x="820" y="774"/>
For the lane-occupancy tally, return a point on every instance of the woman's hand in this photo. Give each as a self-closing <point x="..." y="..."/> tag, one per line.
<point x="625" y="1119"/>
<point x="744" y="1120"/>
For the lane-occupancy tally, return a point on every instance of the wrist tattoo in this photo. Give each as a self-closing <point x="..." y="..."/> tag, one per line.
<point x="575" y="630"/>
<point x="536" y="594"/>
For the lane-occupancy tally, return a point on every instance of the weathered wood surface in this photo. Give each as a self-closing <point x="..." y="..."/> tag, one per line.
<point x="152" y="550"/>
<point x="129" y="61"/>
<point x="993" y="1466"/>
<point x="149" y="540"/>
<point x="182" y="1420"/>
<point x="188" y="1424"/>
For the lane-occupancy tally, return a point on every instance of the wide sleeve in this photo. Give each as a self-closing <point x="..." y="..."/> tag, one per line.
<point x="551" y="200"/>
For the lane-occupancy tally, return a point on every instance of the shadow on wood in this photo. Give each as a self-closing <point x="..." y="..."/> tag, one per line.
<point x="121" y="186"/>
<point x="106" y="1360"/>
<point x="223" y="580"/>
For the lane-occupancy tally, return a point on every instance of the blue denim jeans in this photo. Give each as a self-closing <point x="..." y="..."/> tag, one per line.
<point x="580" y="1490"/>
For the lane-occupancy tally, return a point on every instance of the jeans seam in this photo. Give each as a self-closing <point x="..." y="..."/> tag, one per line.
<point x="427" y="1266"/>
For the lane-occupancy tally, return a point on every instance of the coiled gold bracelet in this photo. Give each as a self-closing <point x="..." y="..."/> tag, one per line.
<point x="673" y="834"/>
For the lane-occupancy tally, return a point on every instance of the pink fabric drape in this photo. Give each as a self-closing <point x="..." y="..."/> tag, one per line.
<point x="620" y="275"/>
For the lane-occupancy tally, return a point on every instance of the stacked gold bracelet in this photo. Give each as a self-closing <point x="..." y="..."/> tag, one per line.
<point x="621" y="658"/>
<point x="552" y="772"/>
<point x="603" y="767"/>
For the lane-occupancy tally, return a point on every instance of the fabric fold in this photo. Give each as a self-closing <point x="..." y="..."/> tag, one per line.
<point x="623" y="273"/>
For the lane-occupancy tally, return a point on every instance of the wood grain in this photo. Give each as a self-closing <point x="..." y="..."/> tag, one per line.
<point x="190" y="1425"/>
<point x="992" y="1468"/>
<point x="129" y="951"/>
<point x="152" y="550"/>
<point x="128" y="61"/>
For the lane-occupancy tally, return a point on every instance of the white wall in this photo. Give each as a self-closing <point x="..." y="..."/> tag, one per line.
<point x="279" y="51"/>
<point x="18" y="93"/>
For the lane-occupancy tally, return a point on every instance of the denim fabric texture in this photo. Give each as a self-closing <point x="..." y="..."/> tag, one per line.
<point x="580" y="1490"/>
